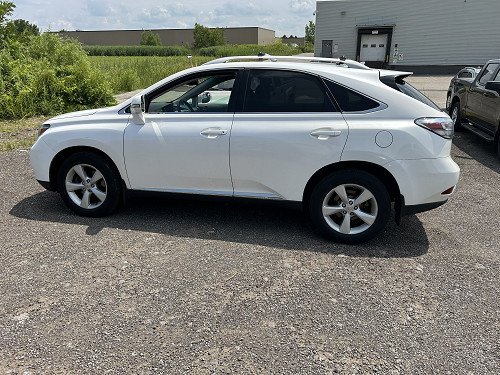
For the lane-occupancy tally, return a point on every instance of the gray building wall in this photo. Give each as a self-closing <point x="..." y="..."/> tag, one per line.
<point x="427" y="32"/>
<point x="169" y="37"/>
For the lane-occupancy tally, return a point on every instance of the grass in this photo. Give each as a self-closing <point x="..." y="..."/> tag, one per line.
<point x="18" y="134"/>
<point x="128" y="73"/>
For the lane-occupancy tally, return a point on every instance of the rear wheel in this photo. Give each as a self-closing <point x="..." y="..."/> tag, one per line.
<point x="89" y="185"/>
<point x="455" y="116"/>
<point x="350" y="206"/>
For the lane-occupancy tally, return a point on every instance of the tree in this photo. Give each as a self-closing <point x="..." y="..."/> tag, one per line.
<point x="310" y="32"/>
<point x="150" y="38"/>
<point x="6" y="9"/>
<point x="22" y="27"/>
<point x="205" y="37"/>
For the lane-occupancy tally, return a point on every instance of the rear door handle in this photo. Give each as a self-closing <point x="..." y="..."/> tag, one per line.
<point x="325" y="133"/>
<point x="213" y="132"/>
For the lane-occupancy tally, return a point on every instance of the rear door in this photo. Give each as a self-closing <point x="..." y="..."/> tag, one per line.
<point x="287" y="130"/>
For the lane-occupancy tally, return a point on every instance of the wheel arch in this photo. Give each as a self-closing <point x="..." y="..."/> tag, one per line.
<point x="376" y="170"/>
<point x="63" y="154"/>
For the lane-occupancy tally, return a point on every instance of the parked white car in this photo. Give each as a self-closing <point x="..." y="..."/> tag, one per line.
<point x="346" y="141"/>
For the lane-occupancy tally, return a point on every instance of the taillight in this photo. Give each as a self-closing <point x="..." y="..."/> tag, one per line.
<point x="442" y="126"/>
<point x="43" y="129"/>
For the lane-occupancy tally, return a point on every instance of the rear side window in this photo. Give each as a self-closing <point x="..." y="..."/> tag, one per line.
<point x="349" y="100"/>
<point x="282" y="91"/>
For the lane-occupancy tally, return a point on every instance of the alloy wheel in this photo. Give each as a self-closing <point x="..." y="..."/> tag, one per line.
<point x="350" y="209"/>
<point x="86" y="186"/>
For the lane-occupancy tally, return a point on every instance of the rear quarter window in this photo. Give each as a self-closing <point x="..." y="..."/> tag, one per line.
<point x="349" y="100"/>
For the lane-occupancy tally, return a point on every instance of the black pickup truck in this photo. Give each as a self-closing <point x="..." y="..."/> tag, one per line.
<point x="474" y="104"/>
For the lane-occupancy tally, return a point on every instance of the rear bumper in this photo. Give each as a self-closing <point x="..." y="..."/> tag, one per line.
<point x="425" y="182"/>
<point x="417" y="208"/>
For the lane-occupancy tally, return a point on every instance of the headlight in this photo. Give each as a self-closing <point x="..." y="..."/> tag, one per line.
<point x="43" y="129"/>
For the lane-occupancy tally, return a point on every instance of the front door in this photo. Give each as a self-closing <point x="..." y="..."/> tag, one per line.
<point x="373" y="49"/>
<point x="184" y="144"/>
<point x="288" y="129"/>
<point x="479" y="99"/>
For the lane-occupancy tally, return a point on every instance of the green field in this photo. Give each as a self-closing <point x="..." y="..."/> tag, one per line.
<point x="128" y="73"/>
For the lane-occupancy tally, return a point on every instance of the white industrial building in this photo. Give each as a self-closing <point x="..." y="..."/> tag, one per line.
<point x="421" y="35"/>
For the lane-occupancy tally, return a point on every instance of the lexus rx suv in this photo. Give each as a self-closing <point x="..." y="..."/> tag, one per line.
<point x="347" y="142"/>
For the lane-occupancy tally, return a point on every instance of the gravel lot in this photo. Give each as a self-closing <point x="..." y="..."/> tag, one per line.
<point x="197" y="287"/>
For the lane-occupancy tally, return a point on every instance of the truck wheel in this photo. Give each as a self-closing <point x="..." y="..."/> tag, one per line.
<point x="498" y="147"/>
<point x="455" y="116"/>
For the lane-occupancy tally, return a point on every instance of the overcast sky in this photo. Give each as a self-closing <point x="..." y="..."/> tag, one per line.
<point x="283" y="16"/>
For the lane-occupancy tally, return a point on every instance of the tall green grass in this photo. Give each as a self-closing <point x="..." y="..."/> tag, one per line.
<point x="137" y="50"/>
<point x="278" y="49"/>
<point x="133" y="73"/>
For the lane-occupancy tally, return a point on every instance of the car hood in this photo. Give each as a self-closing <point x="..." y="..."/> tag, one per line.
<point x="87" y="112"/>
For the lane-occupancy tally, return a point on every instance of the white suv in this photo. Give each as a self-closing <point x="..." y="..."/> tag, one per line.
<point x="344" y="140"/>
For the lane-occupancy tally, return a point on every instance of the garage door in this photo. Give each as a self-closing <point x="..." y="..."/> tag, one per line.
<point x="373" y="47"/>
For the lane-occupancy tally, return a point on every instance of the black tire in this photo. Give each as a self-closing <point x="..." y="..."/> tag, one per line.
<point x="498" y="147"/>
<point x="354" y="181"/>
<point x="109" y="184"/>
<point x="457" y="124"/>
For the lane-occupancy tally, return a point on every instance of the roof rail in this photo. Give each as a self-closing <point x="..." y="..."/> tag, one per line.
<point x="303" y="59"/>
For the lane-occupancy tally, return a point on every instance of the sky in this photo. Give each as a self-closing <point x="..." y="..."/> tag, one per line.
<point x="283" y="16"/>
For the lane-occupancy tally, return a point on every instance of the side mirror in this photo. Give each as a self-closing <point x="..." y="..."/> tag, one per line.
<point x="137" y="110"/>
<point x="206" y="97"/>
<point x="493" y="86"/>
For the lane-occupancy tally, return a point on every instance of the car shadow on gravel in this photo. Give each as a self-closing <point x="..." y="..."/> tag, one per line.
<point x="248" y="222"/>
<point x="477" y="149"/>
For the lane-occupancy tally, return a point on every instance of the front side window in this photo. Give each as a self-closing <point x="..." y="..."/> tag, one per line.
<point x="488" y="73"/>
<point x="497" y="78"/>
<point x="283" y="91"/>
<point x="209" y="93"/>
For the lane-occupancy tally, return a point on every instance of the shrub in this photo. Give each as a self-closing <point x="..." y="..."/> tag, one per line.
<point x="150" y="38"/>
<point x="48" y="75"/>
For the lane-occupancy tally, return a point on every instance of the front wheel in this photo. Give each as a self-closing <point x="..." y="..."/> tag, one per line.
<point x="455" y="116"/>
<point x="89" y="185"/>
<point x="350" y="206"/>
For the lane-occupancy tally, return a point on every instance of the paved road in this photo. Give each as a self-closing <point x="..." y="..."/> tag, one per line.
<point x="190" y="287"/>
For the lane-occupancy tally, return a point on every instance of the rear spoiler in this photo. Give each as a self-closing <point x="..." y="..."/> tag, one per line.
<point x="394" y="74"/>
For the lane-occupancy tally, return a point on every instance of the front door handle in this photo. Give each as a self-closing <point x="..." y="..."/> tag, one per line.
<point x="325" y="133"/>
<point x="213" y="132"/>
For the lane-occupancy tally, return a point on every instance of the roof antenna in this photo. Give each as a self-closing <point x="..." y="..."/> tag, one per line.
<point x="343" y="58"/>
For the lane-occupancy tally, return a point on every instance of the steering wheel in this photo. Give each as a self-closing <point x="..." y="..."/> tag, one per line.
<point x="186" y="104"/>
